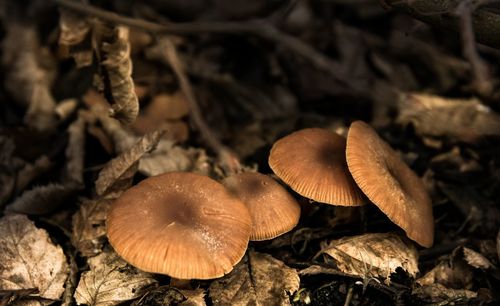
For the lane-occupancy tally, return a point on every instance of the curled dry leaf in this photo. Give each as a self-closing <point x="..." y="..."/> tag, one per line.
<point x="437" y="293"/>
<point x="89" y="228"/>
<point x="26" y="79"/>
<point x="73" y="31"/>
<point x="459" y="120"/>
<point x="373" y="255"/>
<point x="119" y="169"/>
<point x="42" y="199"/>
<point x="259" y="279"/>
<point x="110" y="281"/>
<point x="477" y="260"/>
<point x="125" y="105"/>
<point x="28" y="259"/>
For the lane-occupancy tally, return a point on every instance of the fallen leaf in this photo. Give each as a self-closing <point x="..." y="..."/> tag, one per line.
<point x="259" y="279"/>
<point x="110" y="281"/>
<point x="122" y="168"/>
<point x="194" y="297"/>
<point x="30" y="172"/>
<point x="164" y="295"/>
<point x="116" y="52"/>
<point x="168" y="158"/>
<point x="373" y="255"/>
<point x="462" y="120"/>
<point x="437" y="293"/>
<point x="477" y="260"/>
<point x="89" y="228"/>
<point x="75" y="151"/>
<point x="452" y="272"/>
<point x="164" y="106"/>
<point x="42" y="199"/>
<point x="26" y="79"/>
<point x="73" y="30"/>
<point x="28" y="259"/>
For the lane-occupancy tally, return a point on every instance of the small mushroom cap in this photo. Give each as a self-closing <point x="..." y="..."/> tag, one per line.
<point x="312" y="162"/>
<point x="273" y="210"/>
<point x="184" y="225"/>
<point x="389" y="183"/>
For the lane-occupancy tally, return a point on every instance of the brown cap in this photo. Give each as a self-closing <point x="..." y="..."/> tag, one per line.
<point x="181" y="224"/>
<point x="273" y="209"/>
<point x="312" y="162"/>
<point x="389" y="183"/>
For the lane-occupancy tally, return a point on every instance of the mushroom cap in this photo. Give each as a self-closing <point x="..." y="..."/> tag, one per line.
<point x="389" y="183"/>
<point x="312" y="162"/>
<point x="273" y="210"/>
<point x="181" y="224"/>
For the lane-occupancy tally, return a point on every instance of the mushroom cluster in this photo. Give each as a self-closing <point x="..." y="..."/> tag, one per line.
<point x="323" y="166"/>
<point x="190" y="226"/>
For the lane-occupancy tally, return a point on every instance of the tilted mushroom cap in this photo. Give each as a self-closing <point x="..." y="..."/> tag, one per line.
<point x="312" y="162"/>
<point x="389" y="183"/>
<point x="273" y="209"/>
<point x="181" y="224"/>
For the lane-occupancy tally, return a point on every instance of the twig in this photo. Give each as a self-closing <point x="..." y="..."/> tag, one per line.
<point x="259" y="28"/>
<point x="349" y="296"/>
<point x="482" y="82"/>
<point x="227" y="158"/>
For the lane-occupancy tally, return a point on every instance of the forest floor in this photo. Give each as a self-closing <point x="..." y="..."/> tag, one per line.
<point x="96" y="96"/>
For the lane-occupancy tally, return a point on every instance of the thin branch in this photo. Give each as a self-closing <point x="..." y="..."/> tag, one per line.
<point x="259" y="28"/>
<point x="481" y="80"/>
<point x="227" y="158"/>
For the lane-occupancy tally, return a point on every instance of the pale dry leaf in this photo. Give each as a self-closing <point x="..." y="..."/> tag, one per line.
<point x="373" y="255"/>
<point x="452" y="273"/>
<point x="259" y="279"/>
<point x="118" y="169"/>
<point x="457" y="119"/>
<point x="75" y="152"/>
<point x="28" y="259"/>
<point x="110" y="281"/>
<point x="42" y="199"/>
<point x="437" y="293"/>
<point x="73" y="30"/>
<point x="125" y="105"/>
<point x="89" y="227"/>
<point x="25" y="79"/>
<point x="194" y="297"/>
<point x="166" y="158"/>
<point x="477" y="260"/>
<point x="31" y="171"/>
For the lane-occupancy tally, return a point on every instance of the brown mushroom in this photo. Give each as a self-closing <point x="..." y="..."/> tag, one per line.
<point x="389" y="183"/>
<point x="273" y="209"/>
<point x="184" y="225"/>
<point x="312" y="162"/>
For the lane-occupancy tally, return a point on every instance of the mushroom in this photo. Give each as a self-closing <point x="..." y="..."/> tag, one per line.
<point x="312" y="162"/>
<point x="273" y="210"/>
<point x="389" y="183"/>
<point x="185" y="225"/>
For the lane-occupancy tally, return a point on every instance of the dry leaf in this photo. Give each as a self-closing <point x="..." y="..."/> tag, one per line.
<point x="463" y="120"/>
<point x="31" y="171"/>
<point x="28" y="259"/>
<point x="259" y="279"/>
<point x="75" y="151"/>
<point x="164" y="107"/>
<point x="373" y="255"/>
<point x="120" y="168"/>
<point x="169" y="295"/>
<point x="110" y="281"/>
<point x="42" y="199"/>
<point x="73" y="30"/>
<point x="477" y="260"/>
<point x="25" y="78"/>
<point x="89" y="228"/>
<point x="167" y="158"/>
<point x="125" y="105"/>
<point x="437" y="293"/>
<point x="451" y="273"/>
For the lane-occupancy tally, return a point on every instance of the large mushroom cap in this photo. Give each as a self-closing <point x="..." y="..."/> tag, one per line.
<point x="312" y="162"/>
<point x="273" y="209"/>
<point x="389" y="183"/>
<point x="181" y="224"/>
